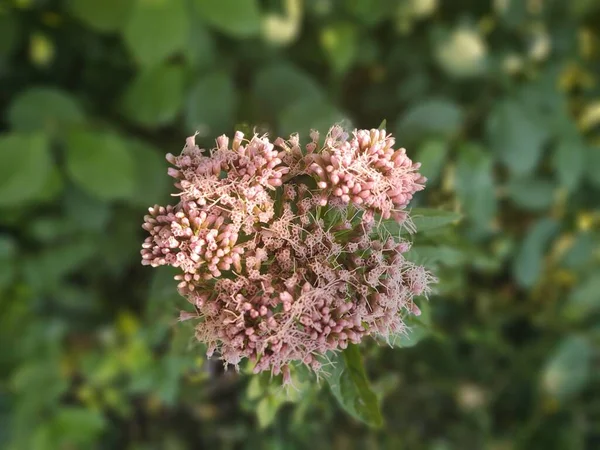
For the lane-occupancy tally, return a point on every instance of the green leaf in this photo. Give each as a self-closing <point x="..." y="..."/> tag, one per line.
<point x="9" y="32"/>
<point x="339" y="41"/>
<point x="382" y="125"/>
<point x="8" y="247"/>
<point x="475" y="186"/>
<point x="151" y="182"/>
<point x="236" y="18"/>
<point x="156" y="30"/>
<point x="101" y="164"/>
<point x="593" y="166"/>
<point x="569" y="163"/>
<point x="535" y="194"/>
<point x="349" y="384"/>
<point x="428" y="219"/>
<point x="70" y="427"/>
<point x="211" y="104"/>
<point x="25" y="165"/>
<point x="307" y="114"/>
<point x="530" y="258"/>
<point x="417" y="329"/>
<point x="44" y="271"/>
<point x="432" y="155"/>
<point x="516" y="137"/>
<point x="585" y="298"/>
<point x="155" y="96"/>
<point x="266" y="410"/>
<point x="431" y="117"/>
<point x="281" y="85"/>
<point x="104" y="16"/>
<point x="85" y="212"/>
<point x="44" y="109"/>
<point x="201" y="52"/>
<point x="431" y="255"/>
<point x="569" y="369"/>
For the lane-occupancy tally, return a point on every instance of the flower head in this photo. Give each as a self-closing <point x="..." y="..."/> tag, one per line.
<point x="281" y="269"/>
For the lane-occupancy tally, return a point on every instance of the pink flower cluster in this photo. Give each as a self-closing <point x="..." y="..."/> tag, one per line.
<point x="278" y="246"/>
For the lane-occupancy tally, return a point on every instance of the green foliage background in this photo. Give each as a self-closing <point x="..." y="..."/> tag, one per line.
<point x="500" y="101"/>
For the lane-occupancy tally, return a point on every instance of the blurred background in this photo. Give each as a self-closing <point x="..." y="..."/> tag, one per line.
<point x="500" y="101"/>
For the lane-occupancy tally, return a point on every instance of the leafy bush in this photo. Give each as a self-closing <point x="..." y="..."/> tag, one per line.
<point x="498" y="100"/>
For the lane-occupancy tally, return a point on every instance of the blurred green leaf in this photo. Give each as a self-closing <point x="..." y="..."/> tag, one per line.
<point x="580" y="253"/>
<point x="569" y="162"/>
<point x="423" y="219"/>
<point x="531" y="193"/>
<point x="569" y="368"/>
<point x="583" y="8"/>
<point x="155" y="96"/>
<point x="101" y="164"/>
<point x="431" y="255"/>
<point x="44" y="109"/>
<point x="515" y="136"/>
<point x="475" y="186"/>
<point x="266" y="410"/>
<point x="8" y="33"/>
<point x="8" y="247"/>
<point x="25" y="165"/>
<point x="340" y="44"/>
<point x="201" y="51"/>
<point x="369" y="12"/>
<point x="280" y="85"/>
<point x="529" y="261"/>
<point x="85" y="211"/>
<point x="382" y="125"/>
<point x="71" y="427"/>
<point x="156" y="29"/>
<point x="432" y="155"/>
<point x="104" y="16"/>
<point x="211" y="104"/>
<point x="584" y="300"/>
<point x="232" y="17"/>
<point x="152" y="184"/>
<point x="428" y="219"/>
<point x="44" y="271"/>
<point x="417" y="329"/>
<point x="430" y="117"/>
<point x="593" y="165"/>
<point x="310" y="113"/>
<point x="349" y="384"/>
